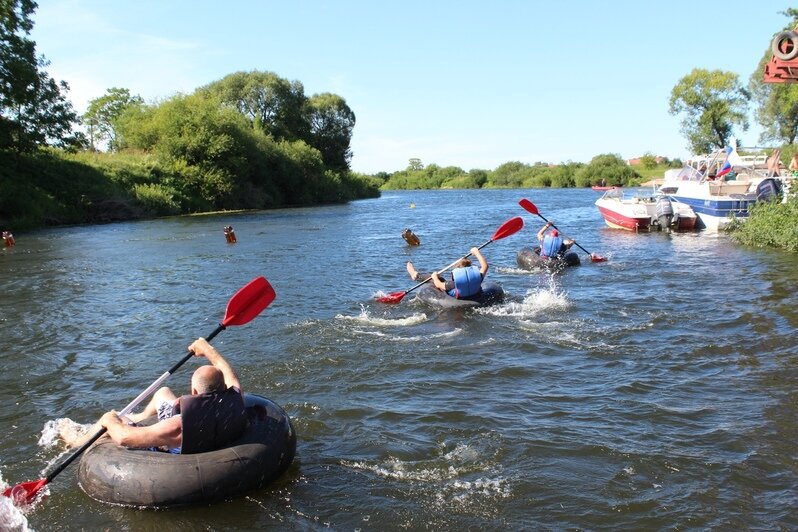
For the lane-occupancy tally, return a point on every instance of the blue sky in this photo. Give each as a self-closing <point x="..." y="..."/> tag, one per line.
<point x="461" y="83"/>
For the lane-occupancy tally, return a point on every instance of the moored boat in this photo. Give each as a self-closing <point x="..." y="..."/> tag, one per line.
<point x="491" y="293"/>
<point x="721" y="187"/>
<point x="644" y="212"/>
<point x="130" y="477"/>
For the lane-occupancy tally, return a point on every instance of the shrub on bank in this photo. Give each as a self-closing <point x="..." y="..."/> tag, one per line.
<point x="770" y="224"/>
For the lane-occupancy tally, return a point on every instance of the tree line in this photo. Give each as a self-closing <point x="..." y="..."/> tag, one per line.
<point x="251" y="140"/>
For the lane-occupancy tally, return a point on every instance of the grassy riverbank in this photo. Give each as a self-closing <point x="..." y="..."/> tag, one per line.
<point x="51" y="187"/>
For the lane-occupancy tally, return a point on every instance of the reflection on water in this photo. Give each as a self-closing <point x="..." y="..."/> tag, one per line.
<point x="655" y="390"/>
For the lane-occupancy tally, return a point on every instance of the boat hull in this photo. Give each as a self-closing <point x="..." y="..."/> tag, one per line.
<point x="640" y="213"/>
<point x="624" y="216"/>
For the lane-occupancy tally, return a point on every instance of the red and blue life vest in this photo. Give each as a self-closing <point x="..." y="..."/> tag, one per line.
<point x="467" y="282"/>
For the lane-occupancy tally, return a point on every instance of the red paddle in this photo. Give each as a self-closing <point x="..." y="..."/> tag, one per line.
<point x="242" y="308"/>
<point x="510" y="227"/>
<point x="529" y="206"/>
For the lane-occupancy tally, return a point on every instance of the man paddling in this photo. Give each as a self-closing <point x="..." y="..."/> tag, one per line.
<point x="552" y="245"/>
<point x="212" y="416"/>
<point x="465" y="280"/>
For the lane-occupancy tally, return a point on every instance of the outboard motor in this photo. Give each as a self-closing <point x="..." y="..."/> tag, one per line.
<point x="768" y="189"/>
<point x="664" y="212"/>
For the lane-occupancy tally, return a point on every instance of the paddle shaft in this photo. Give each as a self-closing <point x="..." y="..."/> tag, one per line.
<point x="554" y="226"/>
<point x="128" y="409"/>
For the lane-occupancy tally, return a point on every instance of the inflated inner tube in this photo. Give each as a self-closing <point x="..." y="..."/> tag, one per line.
<point x="529" y="259"/>
<point x="113" y="474"/>
<point x="491" y="293"/>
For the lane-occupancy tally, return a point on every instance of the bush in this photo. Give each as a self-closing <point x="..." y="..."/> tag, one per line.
<point x="770" y="224"/>
<point x="156" y="199"/>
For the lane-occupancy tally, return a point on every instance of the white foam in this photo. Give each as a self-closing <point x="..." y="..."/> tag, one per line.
<point x="536" y="302"/>
<point x="415" y="338"/>
<point x="366" y="318"/>
<point x="55" y="427"/>
<point x="12" y="517"/>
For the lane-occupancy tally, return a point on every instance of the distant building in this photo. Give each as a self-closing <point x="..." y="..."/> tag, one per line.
<point x="660" y="159"/>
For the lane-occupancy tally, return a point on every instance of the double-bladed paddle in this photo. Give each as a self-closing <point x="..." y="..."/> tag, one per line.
<point x="510" y="227"/>
<point x="242" y="308"/>
<point x="529" y="206"/>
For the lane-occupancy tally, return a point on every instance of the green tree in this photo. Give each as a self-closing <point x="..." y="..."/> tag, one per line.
<point x="104" y="112"/>
<point x="415" y="164"/>
<point x="509" y="175"/>
<point x="713" y="102"/>
<point x="648" y="161"/>
<point x="331" y="125"/>
<point x="272" y="104"/>
<point x="777" y="103"/>
<point x="34" y="110"/>
<point x="608" y="168"/>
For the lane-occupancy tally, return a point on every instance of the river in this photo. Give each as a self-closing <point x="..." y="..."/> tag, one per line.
<point x="657" y="390"/>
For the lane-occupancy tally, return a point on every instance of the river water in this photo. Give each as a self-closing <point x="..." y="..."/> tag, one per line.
<point x="657" y="390"/>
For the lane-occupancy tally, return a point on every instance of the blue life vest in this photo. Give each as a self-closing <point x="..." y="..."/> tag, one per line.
<point x="467" y="282"/>
<point x="552" y="246"/>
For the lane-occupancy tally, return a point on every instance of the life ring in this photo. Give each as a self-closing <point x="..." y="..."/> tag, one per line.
<point x="411" y="238"/>
<point x="491" y="293"/>
<point x="785" y="46"/>
<point x="113" y="474"/>
<point x="530" y="259"/>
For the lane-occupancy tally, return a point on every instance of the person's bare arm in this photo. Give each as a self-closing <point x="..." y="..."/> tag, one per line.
<point x="439" y="283"/>
<point x="166" y="433"/>
<point x="202" y="348"/>
<point x="542" y="231"/>
<point x="483" y="264"/>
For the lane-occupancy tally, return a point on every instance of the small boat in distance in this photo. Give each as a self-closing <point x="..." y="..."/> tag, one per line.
<point x="602" y="188"/>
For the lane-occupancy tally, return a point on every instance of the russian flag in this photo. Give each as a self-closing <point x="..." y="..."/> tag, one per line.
<point x="726" y="168"/>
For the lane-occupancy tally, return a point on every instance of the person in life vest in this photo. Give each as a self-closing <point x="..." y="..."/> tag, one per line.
<point x="552" y="245"/>
<point x="465" y="279"/>
<point x="212" y="416"/>
<point x="8" y="239"/>
<point x="230" y="235"/>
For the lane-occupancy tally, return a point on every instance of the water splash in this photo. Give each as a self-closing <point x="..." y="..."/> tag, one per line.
<point x="56" y="430"/>
<point x="539" y="301"/>
<point x="12" y="516"/>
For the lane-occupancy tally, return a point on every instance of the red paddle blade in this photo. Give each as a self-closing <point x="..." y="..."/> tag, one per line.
<point x="248" y="302"/>
<point x="597" y="258"/>
<point x="393" y="297"/>
<point x="26" y="492"/>
<point x="510" y="227"/>
<point x="528" y="205"/>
